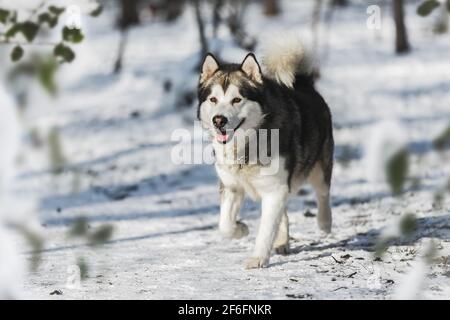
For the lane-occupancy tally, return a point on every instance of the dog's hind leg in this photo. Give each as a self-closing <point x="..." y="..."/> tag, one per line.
<point x="231" y="202"/>
<point x="318" y="179"/>
<point x="281" y="244"/>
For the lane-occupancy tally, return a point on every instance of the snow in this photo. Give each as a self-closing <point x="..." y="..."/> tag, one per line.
<point x="166" y="244"/>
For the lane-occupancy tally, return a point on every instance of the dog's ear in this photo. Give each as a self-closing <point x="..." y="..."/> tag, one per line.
<point x="251" y="68"/>
<point x="210" y="66"/>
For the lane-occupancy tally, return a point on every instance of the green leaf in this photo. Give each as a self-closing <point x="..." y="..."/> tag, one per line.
<point x="427" y="7"/>
<point x="13" y="30"/>
<point x="29" y="30"/>
<point x="448" y="5"/>
<point x="4" y="14"/>
<point x="46" y="70"/>
<point x="56" y="10"/>
<point x="381" y="246"/>
<point x="101" y="235"/>
<point x="56" y="153"/>
<point x="98" y="11"/>
<point x="79" y="227"/>
<point x="84" y="268"/>
<point x="397" y="170"/>
<point x="48" y="18"/>
<point x="44" y="17"/>
<point x="72" y="35"/>
<point x="442" y="140"/>
<point x="408" y="224"/>
<point x="17" y="53"/>
<point x="64" y="52"/>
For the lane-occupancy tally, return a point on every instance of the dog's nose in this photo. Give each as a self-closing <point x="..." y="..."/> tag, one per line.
<point x="219" y="121"/>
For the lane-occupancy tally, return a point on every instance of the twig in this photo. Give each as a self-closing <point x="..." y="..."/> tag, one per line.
<point x="352" y="274"/>
<point x="337" y="261"/>
<point x="340" y="288"/>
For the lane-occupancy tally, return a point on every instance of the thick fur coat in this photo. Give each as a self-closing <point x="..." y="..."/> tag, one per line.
<point x="238" y="99"/>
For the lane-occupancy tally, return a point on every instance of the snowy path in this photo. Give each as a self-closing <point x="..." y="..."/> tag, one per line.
<point x="116" y="134"/>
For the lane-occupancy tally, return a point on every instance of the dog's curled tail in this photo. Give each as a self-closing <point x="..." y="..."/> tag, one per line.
<point x="287" y="61"/>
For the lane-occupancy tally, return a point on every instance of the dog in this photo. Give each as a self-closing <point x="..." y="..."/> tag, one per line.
<point x="235" y="99"/>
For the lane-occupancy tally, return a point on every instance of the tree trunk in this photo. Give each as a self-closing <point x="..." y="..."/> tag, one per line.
<point x="237" y="26"/>
<point x="271" y="7"/>
<point x="339" y="3"/>
<point x="121" y="51"/>
<point x="217" y="15"/>
<point x="129" y="15"/>
<point x="174" y="9"/>
<point x="401" y="40"/>
<point x="204" y="48"/>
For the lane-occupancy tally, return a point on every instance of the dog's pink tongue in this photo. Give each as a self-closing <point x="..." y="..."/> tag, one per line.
<point x="222" y="137"/>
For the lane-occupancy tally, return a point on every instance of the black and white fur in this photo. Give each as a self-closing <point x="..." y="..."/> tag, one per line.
<point x="282" y="97"/>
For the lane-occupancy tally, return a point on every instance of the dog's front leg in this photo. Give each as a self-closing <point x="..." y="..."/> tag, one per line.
<point x="231" y="202"/>
<point x="272" y="207"/>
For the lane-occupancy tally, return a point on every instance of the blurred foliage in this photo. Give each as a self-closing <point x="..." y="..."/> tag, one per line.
<point x="102" y="235"/>
<point x="41" y="67"/>
<point x="407" y="226"/>
<point x="17" y="53"/>
<point x="443" y="140"/>
<point x="428" y="6"/>
<point x="84" y="267"/>
<point x="397" y="172"/>
<point x="430" y="252"/>
<point x="56" y="154"/>
<point x="43" y="16"/>
<point x="72" y="35"/>
<point x="64" y="52"/>
<point x="46" y="70"/>
<point x="397" y="169"/>
<point x="35" y="242"/>
<point x="80" y="228"/>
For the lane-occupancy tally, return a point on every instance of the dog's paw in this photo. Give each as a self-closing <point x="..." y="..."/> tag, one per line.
<point x="240" y="231"/>
<point x="282" y="249"/>
<point x="256" y="263"/>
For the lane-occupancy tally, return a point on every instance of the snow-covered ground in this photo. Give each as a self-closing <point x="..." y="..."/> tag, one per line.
<point x="116" y="133"/>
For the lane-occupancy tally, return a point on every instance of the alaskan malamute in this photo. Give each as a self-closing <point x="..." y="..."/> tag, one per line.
<point x="235" y="99"/>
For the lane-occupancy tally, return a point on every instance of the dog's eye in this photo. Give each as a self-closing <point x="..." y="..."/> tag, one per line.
<point x="236" y="100"/>
<point x="213" y="100"/>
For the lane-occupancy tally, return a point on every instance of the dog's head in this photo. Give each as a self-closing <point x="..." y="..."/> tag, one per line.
<point x="229" y="96"/>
